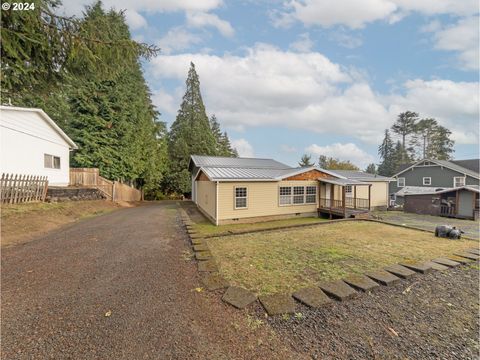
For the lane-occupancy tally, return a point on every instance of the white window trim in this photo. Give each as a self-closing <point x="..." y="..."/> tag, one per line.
<point x="292" y="195"/>
<point x="398" y="182"/>
<point x="349" y="193"/>
<point x="235" y="197"/>
<point x="53" y="162"/>
<point x="459" y="177"/>
<point x="429" y="180"/>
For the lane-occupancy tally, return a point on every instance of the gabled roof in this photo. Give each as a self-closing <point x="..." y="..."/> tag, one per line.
<point x="45" y="117"/>
<point x="361" y="175"/>
<point x="445" y="163"/>
<point x="232" y="162"/>
<point x="470" y="164"/>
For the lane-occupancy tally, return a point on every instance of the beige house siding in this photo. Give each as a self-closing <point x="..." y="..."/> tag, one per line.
<point x="206" y="197"/>
<point x="262" y="200"/>
<point x="379" y="193"/>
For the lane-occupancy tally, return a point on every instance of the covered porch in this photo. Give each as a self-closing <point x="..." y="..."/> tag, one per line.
<point x="344" y="197"/>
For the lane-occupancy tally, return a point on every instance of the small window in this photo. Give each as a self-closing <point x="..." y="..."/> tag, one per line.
<point x="458" y="181"/>
<point x="311" y="197"/>
<point x="240" y="198"/>
<point x="298" y="192"/>
<point x="51" y="162"/>
<point x="285" y="195"/>
<point x="401" y="182"/>
<point x="348" y="190"/>
<point x="427" y="181"/>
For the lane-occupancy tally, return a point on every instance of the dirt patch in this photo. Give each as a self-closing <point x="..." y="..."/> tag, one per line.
<point x="23" y="222"/>
<point x="287" y="260"/>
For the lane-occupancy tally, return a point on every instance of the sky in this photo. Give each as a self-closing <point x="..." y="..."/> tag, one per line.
<point x="327" y="77"/>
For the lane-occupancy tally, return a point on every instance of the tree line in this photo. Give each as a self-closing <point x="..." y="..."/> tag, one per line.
<point x="85" y="72"/>
<point x="415" y="139"/>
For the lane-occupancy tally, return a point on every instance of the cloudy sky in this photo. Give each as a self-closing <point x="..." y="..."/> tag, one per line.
<point x="314" y="76"/>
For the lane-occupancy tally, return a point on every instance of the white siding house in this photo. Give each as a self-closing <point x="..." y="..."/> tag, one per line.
<point x="32" y="144"/>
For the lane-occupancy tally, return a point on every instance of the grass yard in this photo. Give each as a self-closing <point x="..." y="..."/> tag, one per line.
<point x="286" y="260"/>
<point x="206" y="228"/>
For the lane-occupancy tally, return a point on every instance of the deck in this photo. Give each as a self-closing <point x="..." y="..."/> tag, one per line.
<point x="351" y="209"/>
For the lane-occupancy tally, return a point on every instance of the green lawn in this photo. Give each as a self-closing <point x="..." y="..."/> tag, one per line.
<point x="206" y="228"/>
<point x="286" y="260"/>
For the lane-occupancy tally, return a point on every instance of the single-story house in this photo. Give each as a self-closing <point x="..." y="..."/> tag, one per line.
<point x="460" y="202"/>
<point x="32" y="144"/>
<point x="431" y="175"/>
<point x="230" y="190"/>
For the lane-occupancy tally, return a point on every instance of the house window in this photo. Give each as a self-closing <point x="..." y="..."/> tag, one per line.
<point x="427" y="181"/>
<point x="458" y="181"/>
<point x="311" y="197"/>
<point x="285" y="195"/>
<point x="348" y="190"/>
<point x="51" y="161"/>
<point x="240" y="198"/>
<point x="401" y="182"/>
<point x="298" y="195"/>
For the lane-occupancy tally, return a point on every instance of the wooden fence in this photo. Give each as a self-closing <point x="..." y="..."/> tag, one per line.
<point x="16" y="188"/>
<point x="113" y="190"/>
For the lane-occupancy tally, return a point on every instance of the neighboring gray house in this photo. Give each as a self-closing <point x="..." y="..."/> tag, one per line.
<point x="437" y="174"/>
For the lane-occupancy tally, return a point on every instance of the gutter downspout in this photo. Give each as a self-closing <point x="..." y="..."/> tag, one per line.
<point x="216" y="203"/>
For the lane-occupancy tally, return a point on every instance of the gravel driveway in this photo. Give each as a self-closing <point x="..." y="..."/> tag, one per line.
<point x="57" y="289"/>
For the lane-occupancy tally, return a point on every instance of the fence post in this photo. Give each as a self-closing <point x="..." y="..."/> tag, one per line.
<point x="113" y="191"/>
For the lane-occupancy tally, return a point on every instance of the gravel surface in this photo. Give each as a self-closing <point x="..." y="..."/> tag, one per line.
<point x="131" y="265"/>
<point x="433" y="316"/>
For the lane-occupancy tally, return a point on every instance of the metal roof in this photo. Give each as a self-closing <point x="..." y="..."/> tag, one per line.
<point x="361" y="175"/>
<point x="417" y="190"/>
<point x="474" y="188"/>
<point x="239" y="162"/>
<point x="343" y="182"/>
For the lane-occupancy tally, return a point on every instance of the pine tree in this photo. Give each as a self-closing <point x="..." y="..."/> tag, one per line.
<point x="405" y="126"/>
<point x="305" y="161"/>
<point x="371" y="169"/>
<point x="189" y="134"/>
<point x="222" y="142"/>
<point x="386" y="152"/>
<point x="431" y="140"/>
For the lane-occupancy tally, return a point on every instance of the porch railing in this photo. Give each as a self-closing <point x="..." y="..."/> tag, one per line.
<point x="350" y="203"/>
<point x="447" y="210"/>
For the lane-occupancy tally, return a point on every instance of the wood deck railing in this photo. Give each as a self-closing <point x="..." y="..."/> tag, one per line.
<point x="350" y="203"/>
<point x="447" y="210"/>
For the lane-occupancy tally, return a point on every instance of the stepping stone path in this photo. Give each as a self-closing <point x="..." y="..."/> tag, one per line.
<point x="361" y="282"/>
<point x="436" y="266"/>
<point x="400" y="271"/>
<point x="198" y="241"/>
<point x="446" y="262"/>
<point x="277" y="304"/>
<point x="338" y="290"/>
<point x="214" y="282"/>
<point x="420" y="267"/>
<point x="238" y="297"/>
<point x="203" y="255"/>
<point x="207" y="266"/>
<point x="312" y="296"/>
<point x="460" y="259"/>
<point x="474" y="251"/>
<point x="200" y="247"/>
<point x="467" y="255"/>
<point x="383" y="277"/>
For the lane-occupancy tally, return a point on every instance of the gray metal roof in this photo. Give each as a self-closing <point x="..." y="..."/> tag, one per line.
<point x="417" y="190"/>
<point x="444" y="163"/>
<point x="361" y="175"/>
<point x="245" y="174"/>
<point x="343" y="182"/>
<point x="231" y="162"/>
<point x="474" y="188"/>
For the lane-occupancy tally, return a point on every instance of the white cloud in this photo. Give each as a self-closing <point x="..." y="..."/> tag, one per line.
<point x="345" y="39"/>
<point x="462" y="37"/>
<point x="347" y="151"/>
<point x="288" y="149"/>
<point x="164" y="101"/>
<point x="202" y="19"/>
<point x="243" y="148"/>
<point x="270" y="87"/>
<point x="303" y="43"/>
<point x="176" y="39"/>
<point x="135" y="20"/>
<point x="356" y="14"/>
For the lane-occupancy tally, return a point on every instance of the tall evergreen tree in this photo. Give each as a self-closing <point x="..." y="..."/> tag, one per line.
<point x="222" y="142"/>
<point x="405" y="126"/>
<point x="189" y="134"/>
<point x="305" y="161"/>
<point x="386" y="151"/>
<point x="431" y="140"/>
<point x="371" y="169"/>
